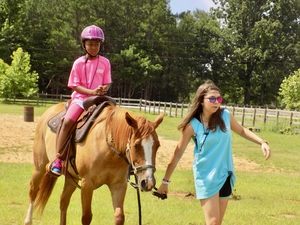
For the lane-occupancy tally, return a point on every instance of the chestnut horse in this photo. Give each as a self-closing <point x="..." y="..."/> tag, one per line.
<point x="116" y="139"/>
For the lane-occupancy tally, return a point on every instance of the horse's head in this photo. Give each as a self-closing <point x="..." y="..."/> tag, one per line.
<point x="142" y="148"/>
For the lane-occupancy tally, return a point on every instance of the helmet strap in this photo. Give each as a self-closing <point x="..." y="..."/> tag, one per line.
<point x="88" y="55"/>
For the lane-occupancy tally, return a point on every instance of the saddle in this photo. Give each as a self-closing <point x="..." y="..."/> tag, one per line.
<point x="92" y="106"/>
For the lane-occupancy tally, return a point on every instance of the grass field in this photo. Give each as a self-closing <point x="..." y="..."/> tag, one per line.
<point x="268" y="197"/>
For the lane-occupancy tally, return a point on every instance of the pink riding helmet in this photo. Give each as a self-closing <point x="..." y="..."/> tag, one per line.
<point x="92" y="33"/>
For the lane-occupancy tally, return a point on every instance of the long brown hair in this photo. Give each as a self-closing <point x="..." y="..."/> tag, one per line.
<point x="197" y="109"/>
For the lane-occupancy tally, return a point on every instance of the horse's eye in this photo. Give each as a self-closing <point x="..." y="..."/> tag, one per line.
<point x="137" y="144"/>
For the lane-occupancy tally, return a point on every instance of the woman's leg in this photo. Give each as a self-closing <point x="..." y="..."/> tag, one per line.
<point x="223" y="206"/>
<point x="214" y="209"/>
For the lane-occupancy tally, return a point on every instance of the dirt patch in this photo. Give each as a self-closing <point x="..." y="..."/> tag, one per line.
<point x="16" y="140"/>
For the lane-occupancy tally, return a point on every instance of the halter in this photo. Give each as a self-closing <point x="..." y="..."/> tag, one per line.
<point x="132" y="169"/>
<point x="139" y="168"/>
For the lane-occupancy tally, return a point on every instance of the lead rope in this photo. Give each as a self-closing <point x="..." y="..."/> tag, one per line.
<point x="139" y="201"/>
<point x="133" y="171"/>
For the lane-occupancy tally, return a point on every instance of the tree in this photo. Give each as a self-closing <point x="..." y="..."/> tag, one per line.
<point x="264" y="38"/>
<point x="3" y="69"/>
<point x="290" y="91"/>
<point x="12" y="23"/>
<point x="18" y="80"/>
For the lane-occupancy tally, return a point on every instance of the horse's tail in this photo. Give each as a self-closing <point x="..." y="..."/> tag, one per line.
<point x="45" y="189"/>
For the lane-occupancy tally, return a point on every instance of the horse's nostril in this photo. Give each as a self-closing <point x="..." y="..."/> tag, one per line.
<point x="143" y="184"/>
<point x="147" y="184"/>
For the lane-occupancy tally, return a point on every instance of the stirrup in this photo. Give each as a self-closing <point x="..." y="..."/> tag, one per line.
<point x="50" y="172"/>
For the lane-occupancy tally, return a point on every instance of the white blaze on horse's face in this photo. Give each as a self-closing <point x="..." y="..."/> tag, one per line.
<point x="148" y="152"/>
<point x="148" y="144"/>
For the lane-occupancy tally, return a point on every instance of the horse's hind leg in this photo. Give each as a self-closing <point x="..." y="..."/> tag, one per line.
<point x="40" y="161"/>
<point x="37" y="176"/>
<point x="69" y="188"/>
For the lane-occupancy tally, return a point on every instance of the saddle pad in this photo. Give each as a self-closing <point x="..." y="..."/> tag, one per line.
<point x="55" y="121"/>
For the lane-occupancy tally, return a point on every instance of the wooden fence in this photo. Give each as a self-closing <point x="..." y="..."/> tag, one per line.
<point x="249" y="117"/>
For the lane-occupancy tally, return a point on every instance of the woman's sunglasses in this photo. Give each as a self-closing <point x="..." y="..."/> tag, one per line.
<point x="213" y="99"/>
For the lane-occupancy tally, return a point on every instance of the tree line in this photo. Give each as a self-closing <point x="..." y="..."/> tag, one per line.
<point x="247" y="48"/>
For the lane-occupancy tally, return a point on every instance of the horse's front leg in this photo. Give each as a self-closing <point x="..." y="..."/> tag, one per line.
<point x="87" y="190"/>
<point x="118" y="192"/>
<point x="69" y="188"/>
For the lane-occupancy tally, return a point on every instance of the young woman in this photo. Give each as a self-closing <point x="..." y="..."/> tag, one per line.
<point x="90" y="75"/>
<point x="210" y="128"/>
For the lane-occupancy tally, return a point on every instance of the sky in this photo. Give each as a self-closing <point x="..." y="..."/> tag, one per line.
<point x="178" y="6"/>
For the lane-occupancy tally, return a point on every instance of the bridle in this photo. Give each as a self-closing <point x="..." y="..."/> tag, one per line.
<point x="132" y="169"/>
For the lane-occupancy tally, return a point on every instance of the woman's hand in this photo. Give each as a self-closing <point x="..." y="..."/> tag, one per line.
<point x="266" y="150"/>
<point x="163" y="189"/>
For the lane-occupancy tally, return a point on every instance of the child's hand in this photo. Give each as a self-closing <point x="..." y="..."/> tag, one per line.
<point x="101" y="90"/>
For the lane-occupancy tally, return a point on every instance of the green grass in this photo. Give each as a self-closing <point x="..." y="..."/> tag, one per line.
<point x="264" y="198"/>
<point x="269" y="197"/>
<point x="19" y="109"/>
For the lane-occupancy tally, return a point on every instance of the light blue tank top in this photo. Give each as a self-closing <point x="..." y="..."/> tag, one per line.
<point x="213" y="159"/>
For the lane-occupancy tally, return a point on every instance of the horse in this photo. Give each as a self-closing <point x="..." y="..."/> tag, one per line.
<point x="117" y="139"/>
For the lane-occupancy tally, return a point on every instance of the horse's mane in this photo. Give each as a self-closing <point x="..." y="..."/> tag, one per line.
<point x="117" y="129"/>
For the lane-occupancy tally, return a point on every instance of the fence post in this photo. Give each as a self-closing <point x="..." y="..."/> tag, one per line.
<point x="145" y="106"/>
<point x="176" y="109"/>
<point x="154" y="104"/>
<point x="149" y="107"/>
<point x="170" y="108"/>
<point x="182" y="105"/>
<point x="165" y="107"/>
<point x="277" y="116"/>
<point x="158" y="107"/>
<point x="254" y="115"/>
<point x="140" y="104"/>
<point x="243" y="116"/>
<point x="291" y="119"/>
<point x="265" y="116"/>
<point x="120" y="101"/>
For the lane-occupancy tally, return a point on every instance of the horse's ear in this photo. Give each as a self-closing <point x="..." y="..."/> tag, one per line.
<point x="158" y="120"/>
<point x="131" y="121"/>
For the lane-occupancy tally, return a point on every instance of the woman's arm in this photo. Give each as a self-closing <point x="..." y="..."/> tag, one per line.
<point x="184" y="140"/>
<point x="249" y="135"/>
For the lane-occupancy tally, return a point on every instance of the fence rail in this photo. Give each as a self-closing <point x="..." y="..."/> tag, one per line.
<point x="249" y="117"/>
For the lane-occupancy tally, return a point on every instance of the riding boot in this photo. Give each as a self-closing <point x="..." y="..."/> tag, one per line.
<point x="62" y="145"/>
